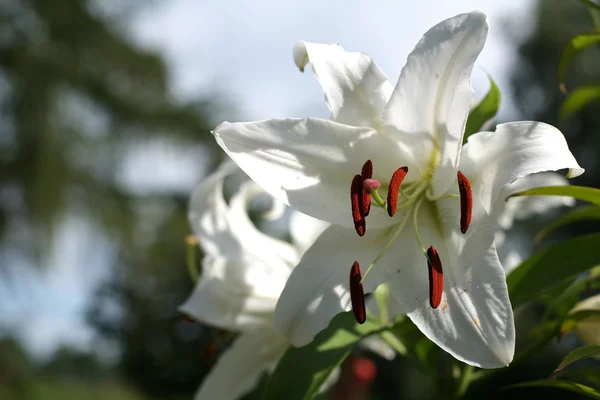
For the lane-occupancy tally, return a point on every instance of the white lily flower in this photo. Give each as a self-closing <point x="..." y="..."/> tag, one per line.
<point x="243" y="274"/>
<point x="414" y="131"/>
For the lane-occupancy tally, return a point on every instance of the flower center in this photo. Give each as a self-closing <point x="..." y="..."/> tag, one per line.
<point x="364" y="192"/>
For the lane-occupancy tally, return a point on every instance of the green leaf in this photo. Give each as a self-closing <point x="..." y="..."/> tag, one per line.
<point x="551" y="266"/>
<point x="582" y="193"/>
<point x="558" y="304"/>
<point x="302" y="370"/>
<point x="421" y="349"/>
<point x="576" y="45"/>
<point x="594" y="10"/>
<point x="485" y="110"/>
<point x="591" y="4"/>
<point x="586" y="376"/>
<point x="580" y="353"/>
<point x="578" y="99"/>
<point x="578" y="214"/>
<point x="565" y="385"/>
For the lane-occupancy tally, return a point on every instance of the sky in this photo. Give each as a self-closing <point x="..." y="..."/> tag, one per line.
<point x="240" y="53"/>
<point x="243" y="49"/>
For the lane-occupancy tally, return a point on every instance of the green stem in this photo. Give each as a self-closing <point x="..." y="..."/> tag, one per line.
<point x="387" y="246"/>
<point x="377" y="197"/>
<point x="464" y="381"/>
<point x="382" y="294"/>
<point x="394" y="343"/>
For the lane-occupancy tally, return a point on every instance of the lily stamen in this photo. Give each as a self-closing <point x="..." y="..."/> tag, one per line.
<point x="416" y="227"/>
<point x="356" y="195"/>
<point x="357" y="295"/>
<point x="466" y="201"/>
<point x="431" y="197"/>
<point x="395" y="182"/>
<point x="436" y="277"/>
<point x="366" y="173"/>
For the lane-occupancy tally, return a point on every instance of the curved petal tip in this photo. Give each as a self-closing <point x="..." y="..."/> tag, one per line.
<point x="300" y="55"/>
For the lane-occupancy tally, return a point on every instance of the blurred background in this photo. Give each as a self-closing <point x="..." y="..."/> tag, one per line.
<point x="106" y="109"/>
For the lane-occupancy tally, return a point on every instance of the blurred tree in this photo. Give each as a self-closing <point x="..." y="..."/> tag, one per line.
<point x="16" y="370"/>
<point x="78" y="103"/>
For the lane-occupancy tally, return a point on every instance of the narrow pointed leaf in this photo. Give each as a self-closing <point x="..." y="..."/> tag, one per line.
<point x="565" y="385"/>
<point x="586" y="376"/>
<point x="576" y="45"/>
<point x="580" y="353"/>
<point x="558" y="304"/>
<point x="300" y="373"/>
<point x="579" y="98"/>
<point x="552" y="266"/>
<point x="582" y="193"/>
<point x="484" y="111"/>
<point x="579" y="214"/>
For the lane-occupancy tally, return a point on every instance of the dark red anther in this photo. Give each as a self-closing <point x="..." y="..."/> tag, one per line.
<point x="366" y="173"/>
<point x="466" y="202"/>
<point x="436" y="277"/>
<point x="392" y="196"/>
<point x="357" y="295"/>
<point x="356" y="195"/>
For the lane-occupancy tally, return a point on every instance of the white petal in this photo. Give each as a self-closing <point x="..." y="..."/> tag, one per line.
<point x="244" y="270"/>
<point x="431" y="101"/>
<point x="227" y="230"/>
<point x="523" y="207"/>
<point x="309" y="163"/>
<point x="239" y="368"/>
<point x="305" y="230"/>
<point x="356" y="90"/>
<point x="318" y="288"/>
<point x="493" y="160"/>
<point x="276" y="211"/>
<point x="474" y="321"/>
<point x="513" y="248"/>
<point x="225" y="295"/>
